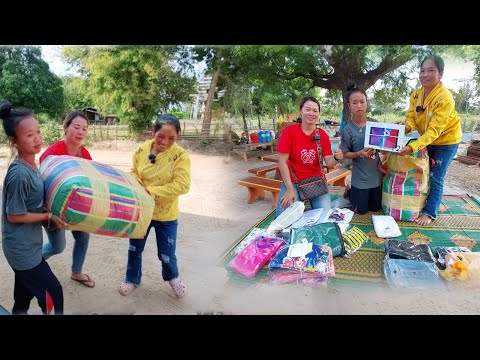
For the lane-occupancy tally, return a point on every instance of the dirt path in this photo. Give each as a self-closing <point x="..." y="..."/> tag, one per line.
<point x="213" y="215"/>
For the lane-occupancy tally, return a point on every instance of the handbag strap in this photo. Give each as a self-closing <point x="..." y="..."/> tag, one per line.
<point x="319" y="149"/>
<point x="319" y="152"/>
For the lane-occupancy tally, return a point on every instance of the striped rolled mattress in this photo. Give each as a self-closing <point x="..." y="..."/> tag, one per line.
<point x="94" y="197"/>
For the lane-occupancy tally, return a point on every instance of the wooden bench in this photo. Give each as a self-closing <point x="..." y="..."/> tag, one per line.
<point x="337" y="177"/>
<point x="258" y="185"/>
<point x="263" y="170"/>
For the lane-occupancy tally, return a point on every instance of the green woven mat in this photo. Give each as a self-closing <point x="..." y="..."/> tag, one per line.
<point x="457" y="224"/>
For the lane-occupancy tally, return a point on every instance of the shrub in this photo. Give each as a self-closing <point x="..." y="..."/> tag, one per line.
<point x="50" y="132"/>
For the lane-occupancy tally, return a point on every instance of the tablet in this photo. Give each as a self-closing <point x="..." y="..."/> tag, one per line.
<point x="384" y="136"/>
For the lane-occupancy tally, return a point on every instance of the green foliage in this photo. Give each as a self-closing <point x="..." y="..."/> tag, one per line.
<point x="281" y="75"/>
<point x="26" y="80"/>
<point x="331" y="105"/>
<point x="132" y="81"/>
<point x="178" y="113"/>
<point x="51" y="132"/>
<point x="465" y="99"/>
<point x="391" y="96"/>
<point x="77" y="94"/>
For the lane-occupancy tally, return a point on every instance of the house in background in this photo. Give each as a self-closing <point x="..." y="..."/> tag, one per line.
<point x="94" y="117"/>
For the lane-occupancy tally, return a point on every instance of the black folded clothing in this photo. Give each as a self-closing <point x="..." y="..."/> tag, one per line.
<point x="407" y="250"/>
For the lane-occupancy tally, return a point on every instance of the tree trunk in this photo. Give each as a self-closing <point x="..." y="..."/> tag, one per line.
<point x="207" y="120"/>
<point x="245" y="123"/>
<point x="259" y="124"/>
<point x="347" y="115"/>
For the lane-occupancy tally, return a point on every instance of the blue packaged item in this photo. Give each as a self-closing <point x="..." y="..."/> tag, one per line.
<point x="412" y="274"/>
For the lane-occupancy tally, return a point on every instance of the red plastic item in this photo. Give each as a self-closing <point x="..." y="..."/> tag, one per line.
<point x="254" y="138"/>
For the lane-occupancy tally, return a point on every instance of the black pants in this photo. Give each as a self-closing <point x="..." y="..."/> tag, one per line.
<point x="36" y="282"/>
<point x="364" y="200"/>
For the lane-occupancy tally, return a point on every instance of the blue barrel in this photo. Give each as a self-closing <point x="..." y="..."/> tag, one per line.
<point x="261" y="136"/>
<point x="268" y="136"/>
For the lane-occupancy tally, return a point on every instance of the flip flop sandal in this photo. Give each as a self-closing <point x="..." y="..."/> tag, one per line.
<point x="178" y="287"/>
<point x="126" y="288"/>
<point x="85" y="281"/>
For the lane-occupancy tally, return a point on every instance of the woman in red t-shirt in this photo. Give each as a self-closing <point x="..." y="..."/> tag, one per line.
<point x="75" y="128"/>
<point x="297" y="147"/>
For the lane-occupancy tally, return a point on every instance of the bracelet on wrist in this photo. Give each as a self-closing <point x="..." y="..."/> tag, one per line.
<point x="335" y="158"/>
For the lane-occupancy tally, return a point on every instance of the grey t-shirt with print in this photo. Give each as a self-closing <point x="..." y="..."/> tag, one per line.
<point x="365" y="172"/>
<point x="22" y="192"/>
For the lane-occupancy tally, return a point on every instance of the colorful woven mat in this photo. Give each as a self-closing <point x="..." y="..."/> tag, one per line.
<point x="457" y="224"/>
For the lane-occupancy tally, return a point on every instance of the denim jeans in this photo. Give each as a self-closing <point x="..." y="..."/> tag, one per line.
<point x="324" y="201"/>
<point x="443" y="156"/>
<point x="56" y="244"/>
<point x="413" y="274"/>
<point x="166" y="235"/>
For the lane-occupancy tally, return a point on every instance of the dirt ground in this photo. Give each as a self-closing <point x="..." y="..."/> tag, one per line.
<point x="213" y="215"/>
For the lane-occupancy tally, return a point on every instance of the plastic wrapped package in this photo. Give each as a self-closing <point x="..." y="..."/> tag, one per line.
<point x="385" y="226"/>
<point x="337" y="215"/>
<point x="287" y="217"/>
<point x="413" y="274"/>
<point x="308" y="218"/>
<point x="441" y="251"/>
<point x="282" y="276"/>
<point x="249" y="238"/>
<point x="96" y="198"/>
<point x="255" y="255"/>
<point x="396" y="249"/>
<point x="462" y="266"/>
<point x="321" y="234"/>
<point x="353" y="239"/>
<point x="409" y="265"/>
<point x="318" y="260"/>
<point x="341" y="203"/>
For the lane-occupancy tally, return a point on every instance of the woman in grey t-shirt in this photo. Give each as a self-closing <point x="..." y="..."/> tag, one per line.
<point x="22" y="214"/>
<point x="366" y="189"/>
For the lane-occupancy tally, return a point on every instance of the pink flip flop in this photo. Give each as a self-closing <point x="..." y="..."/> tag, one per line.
<point x="126" y="288"/>
<point x="178" y="287"/>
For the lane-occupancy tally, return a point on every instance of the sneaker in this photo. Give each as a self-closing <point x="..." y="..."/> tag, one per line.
<point x="178" y="287"/>
<point x="126" y="288"/>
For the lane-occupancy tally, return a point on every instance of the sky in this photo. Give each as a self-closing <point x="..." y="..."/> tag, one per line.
<point x="456" y="71"/>
<point x="51" y="54"/>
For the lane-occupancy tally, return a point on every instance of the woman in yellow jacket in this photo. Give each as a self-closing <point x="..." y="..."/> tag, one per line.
<point x="163" y="168"/>
<point x="432" y="113"/>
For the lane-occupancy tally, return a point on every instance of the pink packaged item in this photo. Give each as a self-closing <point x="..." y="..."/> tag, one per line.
<point x="278" y="277"/>
<point x="255" y="255"/>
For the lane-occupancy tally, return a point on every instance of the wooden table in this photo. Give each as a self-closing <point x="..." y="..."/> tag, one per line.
<point x="243" y="149"/>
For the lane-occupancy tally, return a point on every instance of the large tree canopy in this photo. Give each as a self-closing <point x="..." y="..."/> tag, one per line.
<point x="26" y="80"/>
<point x="132" y="81"/>
<point x="293" y="70"/>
